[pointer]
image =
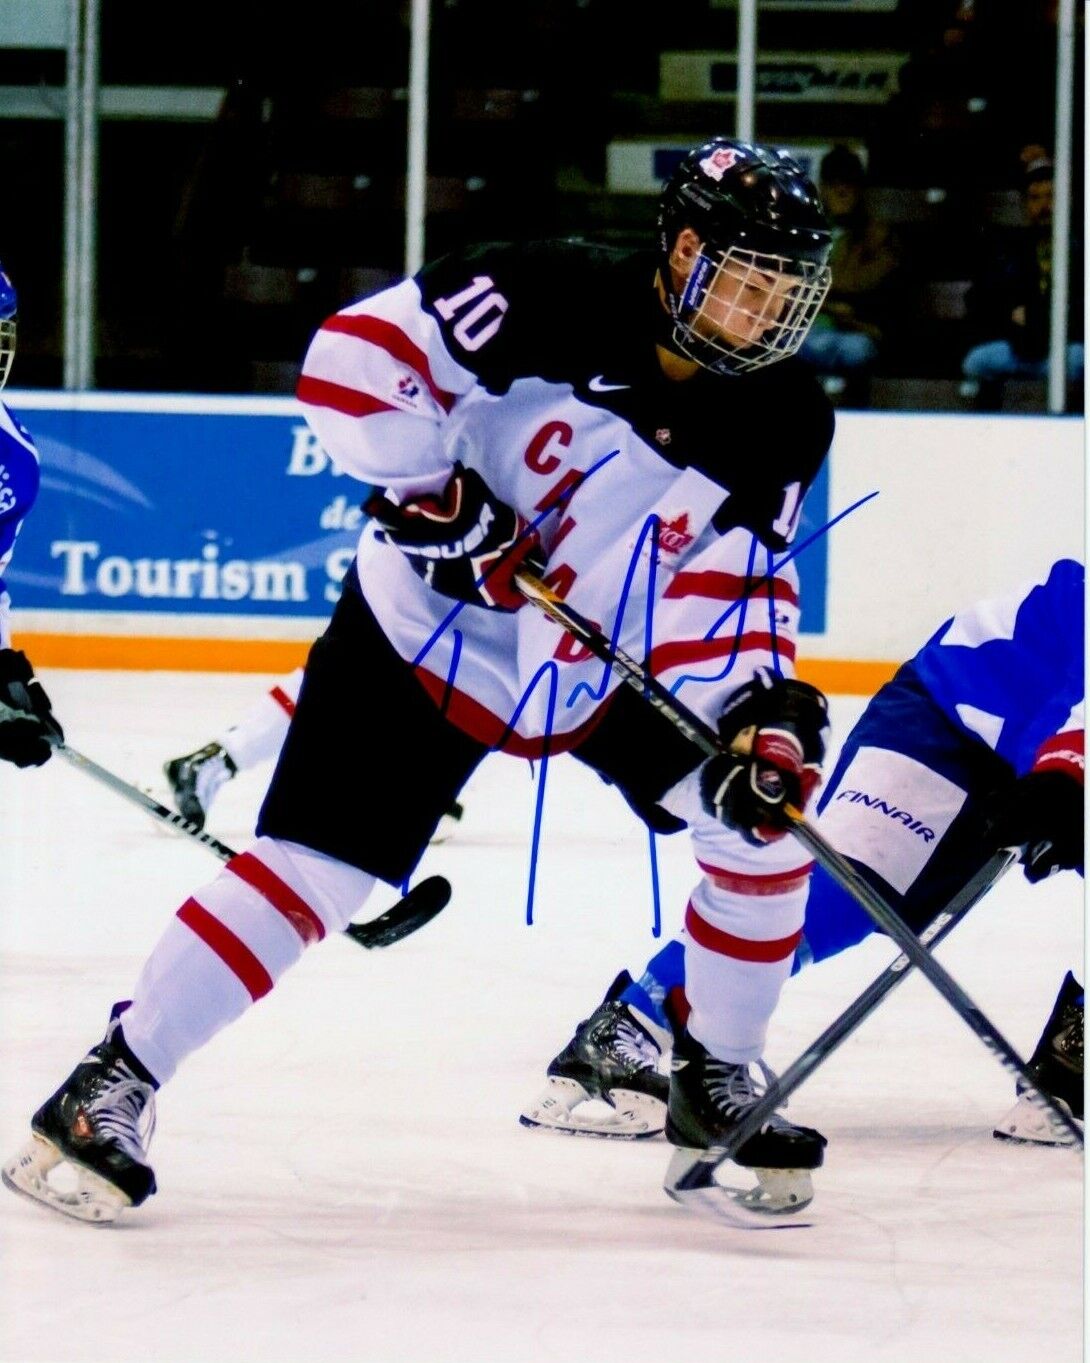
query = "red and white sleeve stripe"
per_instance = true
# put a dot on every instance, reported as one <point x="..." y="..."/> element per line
<point x="377" y="384"/>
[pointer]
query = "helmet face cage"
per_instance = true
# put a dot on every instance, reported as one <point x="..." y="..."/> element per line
<point x="8" y="307"/>
<point x="7" y="348"/>
<point x="741" y="310"/>
<point x="762" y="241"/>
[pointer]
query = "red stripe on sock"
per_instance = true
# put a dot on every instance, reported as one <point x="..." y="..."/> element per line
<point x="279" y="895"/>
<point x="739" y="948"/>
<point x="283" y="700"/>
<point x="741" y="882"/>
<point x="235" y="955"/>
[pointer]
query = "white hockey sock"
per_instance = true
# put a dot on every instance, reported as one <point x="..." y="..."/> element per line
<point x="231" y="941"/>
<point x="740" y="942"/>
<point x="260" y="734"/>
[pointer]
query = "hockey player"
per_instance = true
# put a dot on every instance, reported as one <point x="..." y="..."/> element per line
<point x="197" y="777"/>
<point x="976" y="744"/>
<point x="27" y="726"/>
<point x="602" y="417"/>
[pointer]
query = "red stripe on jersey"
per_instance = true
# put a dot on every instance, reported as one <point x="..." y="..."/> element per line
<point x="743" y="882"/>
<point x="279" y="895"/>
<point x="729" y="587"/>
<point x="396" y="344"/>
<point x="350" y="401"/>
<point x="283" y="700"/>
<point x="235" y="955"/>
<point x="738" y="948"/>
<point x="480" y="723"/>
<point x="1063" y="752"/>
<point x="681" y="651"/>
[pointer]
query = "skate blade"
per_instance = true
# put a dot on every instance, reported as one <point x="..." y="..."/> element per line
<point x="79" y="1193"/>
<point x="635" y="1116"/>
<point x="1026" y="1124"/>
<point x="772" y="1204"/>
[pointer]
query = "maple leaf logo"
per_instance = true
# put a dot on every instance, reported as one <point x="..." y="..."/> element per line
<point x="674" y="535"/>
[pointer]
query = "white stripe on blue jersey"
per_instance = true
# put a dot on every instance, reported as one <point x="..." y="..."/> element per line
<point x="1010" y="670"/>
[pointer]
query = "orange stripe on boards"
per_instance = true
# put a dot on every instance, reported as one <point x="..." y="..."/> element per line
<point x="157" y="654"/>
<point x="845" y="677"/>
<point x="836" y="676"/>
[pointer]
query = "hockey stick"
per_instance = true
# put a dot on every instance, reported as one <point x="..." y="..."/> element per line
<point x="824" y="854"/>
<point x="861" y="1008"/>
<point x="894" y="926"/>
<point x="419" y="906"/>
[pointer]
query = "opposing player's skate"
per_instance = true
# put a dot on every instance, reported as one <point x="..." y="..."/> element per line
<point x="708" y="1100"/>
<point x="1057" y="1066"/>
<point x="196" y="778"/>
<point x="87" y="1156"/>
<point x="613" y="1057"/>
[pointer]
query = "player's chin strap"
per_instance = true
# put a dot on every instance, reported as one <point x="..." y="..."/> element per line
<point x="822" y="851"/>
<point x="417" y="907"/>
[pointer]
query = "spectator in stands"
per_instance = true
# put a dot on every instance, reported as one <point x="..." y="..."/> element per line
<point x="845" y="340"/>
<point x="1010" y="301"/>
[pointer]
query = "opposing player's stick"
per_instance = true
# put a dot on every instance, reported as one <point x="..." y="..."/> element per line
<point x="418" y="907"/>
<point x="824" y="854"/>
<point x="861" y="1008"/>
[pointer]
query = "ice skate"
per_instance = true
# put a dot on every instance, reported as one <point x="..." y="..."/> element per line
<point x="196" y="778"/>
<point x="708" y="1099"/>
<point x="613" y="1057"/>
<point x="1057" y="1066"/>
<point x="87" y="1156"/>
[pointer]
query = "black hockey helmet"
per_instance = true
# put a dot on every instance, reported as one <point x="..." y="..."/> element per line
<point x="764" y="237"/>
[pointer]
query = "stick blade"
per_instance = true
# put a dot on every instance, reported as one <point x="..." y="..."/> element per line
<point x="418" y="907"/>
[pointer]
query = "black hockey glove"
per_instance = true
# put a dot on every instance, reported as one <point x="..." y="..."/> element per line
<point x="464" y="542"/>
<point x="775" y="732"/>
<point x="1041" y="812"/>
<point x="27" y="727"/>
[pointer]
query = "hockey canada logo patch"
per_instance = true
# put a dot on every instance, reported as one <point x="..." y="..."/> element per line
<point x="407" y="387"/>
<point x="663" y="435"/>
<point x="674" y="535"/>
<point x="719" y="162"/>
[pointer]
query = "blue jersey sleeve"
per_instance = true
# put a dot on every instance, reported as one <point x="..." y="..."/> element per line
<point x="19" y="480"/>
<point x="1010" y="670"/>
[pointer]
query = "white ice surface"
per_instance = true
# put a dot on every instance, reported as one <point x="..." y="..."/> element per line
<point x="342" y="1174"/>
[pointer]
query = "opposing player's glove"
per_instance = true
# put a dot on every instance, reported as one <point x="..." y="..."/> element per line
<point x="27" y="727"/>
<point x="1041" y="812"/>
<point x="774" y="730"/>
<point x="464" y="542"/>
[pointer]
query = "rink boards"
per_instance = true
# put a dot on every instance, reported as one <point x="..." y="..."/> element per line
<point x="197" y="533"/>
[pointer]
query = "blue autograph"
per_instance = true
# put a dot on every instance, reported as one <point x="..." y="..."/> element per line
<point x="549" y="673"/>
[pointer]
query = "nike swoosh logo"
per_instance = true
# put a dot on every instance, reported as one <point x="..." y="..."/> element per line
<point x="598" y="385"/>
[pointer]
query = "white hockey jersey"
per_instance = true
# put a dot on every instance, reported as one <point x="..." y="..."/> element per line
<point x="661" y="504"/>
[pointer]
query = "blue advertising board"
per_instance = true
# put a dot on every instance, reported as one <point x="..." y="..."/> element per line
<point x="211" y="507"/>
<point x="185" y="510"/>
